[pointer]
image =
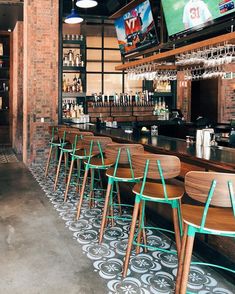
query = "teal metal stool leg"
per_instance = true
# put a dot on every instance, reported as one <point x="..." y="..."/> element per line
<point x="105" y="209"/>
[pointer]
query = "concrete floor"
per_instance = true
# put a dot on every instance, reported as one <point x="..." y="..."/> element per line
<point x="37" y="252"/>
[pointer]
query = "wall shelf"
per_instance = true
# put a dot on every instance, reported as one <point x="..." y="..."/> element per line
<point x="73" y="94"/>
<point x="73" y="42"/>
<point x="74" y="69"/>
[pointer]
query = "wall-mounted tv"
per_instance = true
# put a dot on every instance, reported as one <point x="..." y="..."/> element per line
<point x="184" y="16"/>
<point x="136" y="29"/>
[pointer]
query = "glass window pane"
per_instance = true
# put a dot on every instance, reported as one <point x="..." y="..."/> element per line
<point x="94" y="41"/>
<point x="134" y="86"/>
<point x="110" y="66"/>
<point x="112" y="83"/>
<point x="93" y="83"/>
<point x="94" y="66"/>
<point x="110" y="42"/>
<point x="112" y="55"/>
<point x="94" y="54"/>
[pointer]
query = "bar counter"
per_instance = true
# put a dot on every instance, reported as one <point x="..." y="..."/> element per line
<point x="220" y="159"/>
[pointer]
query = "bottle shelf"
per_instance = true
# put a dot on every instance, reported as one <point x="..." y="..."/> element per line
<point x="166" y="94"/>
<point x="74" y="42"/>
<point x="74" y="69"/>
<point x="73" y="94"/>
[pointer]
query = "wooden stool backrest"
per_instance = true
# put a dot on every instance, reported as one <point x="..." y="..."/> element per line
<point x="103" y="141"/>
<point x="198" y="185"/>
<point x="112" y="150"/>
<point x="70" y="136"/>
<point x="81" y="137"/>
<point x="170" y="165"/>
<point x="50" y="128"/>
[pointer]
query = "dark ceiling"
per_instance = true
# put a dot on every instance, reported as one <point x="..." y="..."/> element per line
<point x="104" y="7"/>
<point x="10" y="13"/>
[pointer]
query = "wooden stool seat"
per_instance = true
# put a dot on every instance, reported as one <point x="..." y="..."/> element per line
<point x="98" y="163"/>
<point x="93" y="146"/>
<point x="124" y="174"/>
<point x="215" y="217"/>
<point x="84" y="154"/>
<point x="155" y="190"/>
<point x="67" y="148"/>
<point x="156" y="186"/>
<point x="55" y="142"/>
<point x="218" y="219"/>
<point x="121" y="172"/>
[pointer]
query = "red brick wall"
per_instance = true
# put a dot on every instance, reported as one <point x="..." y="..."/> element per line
<point x="41" y="45"/>
<point x="184" y="96"/>
<point x="17" y="103"/>
<point x="227" y="97"/>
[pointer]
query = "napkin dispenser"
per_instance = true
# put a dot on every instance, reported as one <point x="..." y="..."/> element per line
<point x="203" y="137"/>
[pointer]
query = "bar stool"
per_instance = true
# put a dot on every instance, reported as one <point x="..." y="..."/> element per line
<point x="56" y="141"/>
<point x="75" y="155"/>
<point x="93" y="156"/>
<point x="209" y="188"/>
<point x="65" y="149"/>
<point x="121" y="172"/>
<point x="158" y="168"/>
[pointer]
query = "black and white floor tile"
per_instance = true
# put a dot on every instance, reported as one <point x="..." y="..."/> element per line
<point x="7" y="155"/>
<point x="152" y="272"/>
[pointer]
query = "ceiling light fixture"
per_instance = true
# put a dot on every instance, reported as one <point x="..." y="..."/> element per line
<point x="86" y="3"/>
<point x="73" y="17"/>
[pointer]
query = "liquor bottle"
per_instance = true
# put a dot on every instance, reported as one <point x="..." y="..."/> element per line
<point x="64" y="84"/>
<point x="77" y="60"/>
<point x="75" y="80"/>
<point x="71" y="57"/>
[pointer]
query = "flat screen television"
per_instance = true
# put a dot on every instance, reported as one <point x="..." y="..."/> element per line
<point x="136" y="29"/>
<point x="184" y="16"/>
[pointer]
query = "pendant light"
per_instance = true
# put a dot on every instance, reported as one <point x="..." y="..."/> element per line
<point x="86" y="3"/>
<point x="73" y="17"/>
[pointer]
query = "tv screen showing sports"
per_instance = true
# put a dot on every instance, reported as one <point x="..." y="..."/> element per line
<point x="186" y="15"/>
<point x="136" y="29"/>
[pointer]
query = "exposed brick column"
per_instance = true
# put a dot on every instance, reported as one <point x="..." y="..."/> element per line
<point x="17" y="113"/>
<point x="41" y="47"/>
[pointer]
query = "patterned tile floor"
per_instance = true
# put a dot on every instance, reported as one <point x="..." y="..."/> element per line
<point x="154" y="272"/>
<point x="7" y="155"/>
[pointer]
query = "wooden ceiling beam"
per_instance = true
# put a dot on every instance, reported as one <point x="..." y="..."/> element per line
<point x="230" y="37"/>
